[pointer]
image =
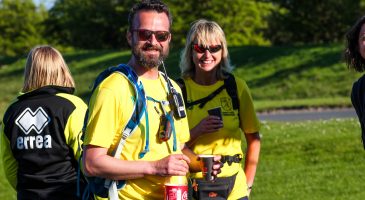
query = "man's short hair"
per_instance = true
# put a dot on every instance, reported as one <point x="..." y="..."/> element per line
<point x="149" y="5"/>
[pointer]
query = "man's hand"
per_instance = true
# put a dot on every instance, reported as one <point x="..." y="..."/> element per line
<point x="172" y="165"/>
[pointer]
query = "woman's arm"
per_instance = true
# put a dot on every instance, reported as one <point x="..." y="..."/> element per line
<point x="9" y="163"/>
<point x="252" y="157"/>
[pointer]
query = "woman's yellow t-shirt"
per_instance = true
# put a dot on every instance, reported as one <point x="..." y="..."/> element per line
<point x="229" y="140"/>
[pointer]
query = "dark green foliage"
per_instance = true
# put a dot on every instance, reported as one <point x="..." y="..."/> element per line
<point x="97" y="24"/>
<point x="89" y="24"/>
<point x="242" y="21"/>
<point x="20" y="26"/>
<point x="311" y="21"/>
<point x="94" y="24"/>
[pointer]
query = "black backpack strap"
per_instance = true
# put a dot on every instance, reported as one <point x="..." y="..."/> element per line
<point x="204" y="100"/>
<point x="231" y="87"/>
<point x="229" y="84"/>
<point x="181" y="83"/>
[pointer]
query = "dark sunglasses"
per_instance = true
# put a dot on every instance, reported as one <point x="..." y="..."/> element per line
<point x="143" y="34"/>
<point x="211" y="48"/>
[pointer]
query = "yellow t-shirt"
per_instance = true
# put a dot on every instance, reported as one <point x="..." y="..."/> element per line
<point x="110" y="108"/>
<point x="229" y="140"/>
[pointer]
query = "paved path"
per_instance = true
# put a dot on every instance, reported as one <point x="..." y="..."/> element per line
<point x="300" y="115"/>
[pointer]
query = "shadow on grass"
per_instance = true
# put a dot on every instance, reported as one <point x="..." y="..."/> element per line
<point x="257" y="56"/>
<point x="7" y="60"/>
<point x="324" y="60"/>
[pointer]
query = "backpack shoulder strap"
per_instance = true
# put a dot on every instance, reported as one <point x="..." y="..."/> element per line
<point x="100" y="186"/>
<point x="139" y="107"/>
<point x="181" y="83"/>
<point x="229" y="84"/>
<point x="204" y="100"/>
<point x="231" y="87"/>
<point x="140" y="103"/>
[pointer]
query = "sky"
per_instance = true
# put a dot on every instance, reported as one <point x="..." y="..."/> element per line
<point x="47" y="3"/>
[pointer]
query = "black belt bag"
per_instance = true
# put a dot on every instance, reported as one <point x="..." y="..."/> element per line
<point x="231" y="159"/>
<point x="218" y="189"/>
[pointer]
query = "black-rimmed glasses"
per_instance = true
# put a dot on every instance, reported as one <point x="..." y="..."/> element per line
<point x="144" y="34"/>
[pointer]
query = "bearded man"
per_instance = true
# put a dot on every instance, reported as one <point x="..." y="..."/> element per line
<point x="145" y="160"/>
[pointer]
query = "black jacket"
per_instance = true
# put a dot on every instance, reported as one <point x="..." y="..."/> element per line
<point x="358" y="101"/>
<point x="42" y="137"/>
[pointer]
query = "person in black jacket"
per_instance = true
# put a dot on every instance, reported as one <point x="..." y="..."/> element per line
<point x="355" y="59"/>
<point x="41" y="129"/>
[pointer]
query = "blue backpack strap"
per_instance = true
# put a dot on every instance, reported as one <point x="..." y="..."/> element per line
<point x="138" y="111"/>
<point x="100" y="186"/>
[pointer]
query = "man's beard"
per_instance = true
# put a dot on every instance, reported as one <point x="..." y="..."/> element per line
<point x="146" y="61"/>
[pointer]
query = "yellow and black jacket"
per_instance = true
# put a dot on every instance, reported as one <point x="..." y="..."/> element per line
<point x="40" y="136"/>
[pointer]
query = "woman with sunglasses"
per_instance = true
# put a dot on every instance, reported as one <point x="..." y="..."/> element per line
<point x="205" y="66"/>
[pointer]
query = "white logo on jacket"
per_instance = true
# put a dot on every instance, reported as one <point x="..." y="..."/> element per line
<point x="37" y="121"/>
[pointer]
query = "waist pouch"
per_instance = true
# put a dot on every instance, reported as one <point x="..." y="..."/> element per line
<point x="218" y="189"/>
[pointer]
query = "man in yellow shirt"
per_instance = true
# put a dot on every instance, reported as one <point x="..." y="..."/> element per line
<point x="145" y="160"/>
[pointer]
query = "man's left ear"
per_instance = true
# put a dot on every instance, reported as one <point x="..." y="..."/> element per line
<point x="129" y="38"/>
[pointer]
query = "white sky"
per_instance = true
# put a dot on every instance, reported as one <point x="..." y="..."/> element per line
<point x="47" y="3"/>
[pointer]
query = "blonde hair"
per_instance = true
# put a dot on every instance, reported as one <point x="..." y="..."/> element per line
<point x="203" y="32"/>
<point x="46" y="66"/>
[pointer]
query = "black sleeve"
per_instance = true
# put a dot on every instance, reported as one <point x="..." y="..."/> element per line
<point x="357" y="99"/>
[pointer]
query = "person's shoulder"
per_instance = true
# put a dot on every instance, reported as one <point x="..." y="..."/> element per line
<point x="114" y="80"/>
<point x="361" y="80"/>
<point x="358" y="85"/>
<point x="239" y="79"/>
<point x="176" y="84"/>
<point x="240" y="82"/>
<point x="10" y="109"/>
<point x="180" y="81"/>
<point x="75" y="100"/>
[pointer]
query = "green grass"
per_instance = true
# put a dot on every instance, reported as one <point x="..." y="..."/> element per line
<point x="306" y="72"/>
<point x="279" y="77"/>
<point x="318" y="160"/>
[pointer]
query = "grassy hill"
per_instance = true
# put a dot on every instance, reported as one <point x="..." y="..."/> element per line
<point x="279" y="77"/>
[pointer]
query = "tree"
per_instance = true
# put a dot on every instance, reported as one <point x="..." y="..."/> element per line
<point x="242" y="21"/>
<point x="103" y="23"/>
<point x="311" y="21"/>
<point x="20" y="26"/>
<point x="89" y="24"/>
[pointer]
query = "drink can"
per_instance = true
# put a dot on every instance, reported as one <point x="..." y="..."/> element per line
<point x="176" y="188"/>
<point x="176" y="192"/>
